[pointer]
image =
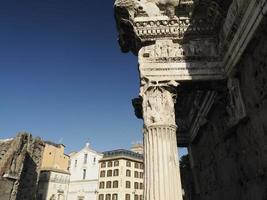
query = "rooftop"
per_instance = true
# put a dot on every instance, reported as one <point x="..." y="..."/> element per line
<point x="122" y="153"/>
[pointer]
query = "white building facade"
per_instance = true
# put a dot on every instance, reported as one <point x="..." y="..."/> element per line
<point x="84" y="170"/>
<point x="53" y="185"/>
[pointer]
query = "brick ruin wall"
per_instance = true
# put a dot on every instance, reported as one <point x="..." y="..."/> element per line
<point x="20" y="161"/>
<point x="231" y="163"/>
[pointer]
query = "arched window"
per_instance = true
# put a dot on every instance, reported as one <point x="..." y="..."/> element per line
<point x="128" y="173"/>
<point x="115" y="197"/>
<point x="100" y="197"/>
<point x="108" y="184"/>
<point x="116" y="163"/>
<point x="141" y="186"/>
<point x="102" y="185"/>
<point x="103" y="164"/>
<point x="85" y="158"/>
<point x="141" y="175"/>
<point x="116" y="172"/>
<point x="136" y="165"/>
<point x="115" y="184"/>
<point x="127" y="196"/>
<point x="84" y="174"/>
<point x="135" y="197"/>
<point x="141" y="197"/>
<point x="128" y="163"/>
<point x="110" y="164"/>
<point x="136" y="185"/>
<point x="136" y="174"/>
<point x="108" y="197"/>
<point x="102" y="174"/>
<point x="109" y="173"/>
<point x="128" y="184"/>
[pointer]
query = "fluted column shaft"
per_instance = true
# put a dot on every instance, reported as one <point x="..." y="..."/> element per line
<point x="162" y="174"/>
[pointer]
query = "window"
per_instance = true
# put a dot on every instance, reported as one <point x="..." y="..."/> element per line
<point x="128" y="173"/>
<point x="141" y="186"/>
<point x="141" y="197"/>
<point x="128" y="184"/>
<point x="108" y="184"/>
<point x="141" y="175"/>
<point x="102" y="185"/>
<point x="115" y="197"/>
<point x="116" y="172"/>
<point x="103" y="165"/>
<point x="128" y="163"/>
<point x="85" y="158"/>
<point x="136" y="165"/>
<point x="109" y="173"/>
<point x="84" y="174"/>
<point x="102" y="173"/>
<point x="136" y="197"/>
<point x="76" y="161"/>
<point x="101" y="197"/>
<point x="141" y="166"/>
<point x="110" y="164"/>
<point x="108" y="197"/>
<point x="115" y="184"/>
<point x="136" y="185"/>
<point x="116" y="163"/>
<point x="94" y="160"/>
<point x="136" y="174"/>
<point x="127" y="197"/>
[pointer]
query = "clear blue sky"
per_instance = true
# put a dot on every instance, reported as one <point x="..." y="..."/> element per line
<point x="62" y="75"/>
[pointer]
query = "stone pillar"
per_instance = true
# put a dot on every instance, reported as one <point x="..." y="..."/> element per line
<point x="162" y="173"/>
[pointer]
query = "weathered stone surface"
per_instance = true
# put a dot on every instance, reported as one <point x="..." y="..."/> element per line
<point x="221" y="101"/>
<point x="231" y="162"/>
<point x="19" y="167"/>
<point x="6" y="187"/>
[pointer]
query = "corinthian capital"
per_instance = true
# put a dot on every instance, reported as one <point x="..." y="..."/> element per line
<point x="158" y="103"/>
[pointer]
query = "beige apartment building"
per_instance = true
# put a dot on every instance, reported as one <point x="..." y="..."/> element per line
<point x="121" y="176"/>
<point x="54" y="177"/>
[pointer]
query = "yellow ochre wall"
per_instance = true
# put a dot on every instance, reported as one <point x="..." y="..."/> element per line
<point x="54" y="157"/>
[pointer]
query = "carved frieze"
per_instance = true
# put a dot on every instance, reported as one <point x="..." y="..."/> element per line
<point x="166" y="60"/>
<point x="205" y="49"/>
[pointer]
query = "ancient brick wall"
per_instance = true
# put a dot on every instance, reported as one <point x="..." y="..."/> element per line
<point x="230" y="162"/>
<point x="19" y="167"/>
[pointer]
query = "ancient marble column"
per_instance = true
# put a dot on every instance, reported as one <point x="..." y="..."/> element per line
<point x="162" y="174"/>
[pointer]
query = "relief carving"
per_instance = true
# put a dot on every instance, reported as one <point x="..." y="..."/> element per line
<point x="165" y="49"/>
<point x="158" y="103"/>
<point x="236" y="108"/>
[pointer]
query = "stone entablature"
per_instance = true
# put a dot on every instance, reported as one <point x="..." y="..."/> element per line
<point x="169" y="61"/>
<point x="187" y="51"/>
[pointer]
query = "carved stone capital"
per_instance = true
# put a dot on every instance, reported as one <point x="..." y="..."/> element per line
<point x="158" y="104"/>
